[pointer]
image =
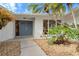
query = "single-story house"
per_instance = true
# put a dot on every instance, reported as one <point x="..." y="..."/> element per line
<point x="34" y="25"/>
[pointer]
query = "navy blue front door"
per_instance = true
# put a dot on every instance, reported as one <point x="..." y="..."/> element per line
<point x="25" y="28"/>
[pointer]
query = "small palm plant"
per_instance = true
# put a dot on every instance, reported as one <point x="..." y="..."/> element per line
<point x="69" y="34"/>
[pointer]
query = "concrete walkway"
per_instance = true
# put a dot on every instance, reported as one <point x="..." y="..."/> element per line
<point x="30" y="48"/>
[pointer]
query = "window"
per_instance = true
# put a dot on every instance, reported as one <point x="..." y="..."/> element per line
<point x="51" y="24"/>
<point x="45" y="26"/>
<point x="58" y="22"/>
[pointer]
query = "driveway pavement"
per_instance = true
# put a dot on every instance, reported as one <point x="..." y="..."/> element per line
<point x="30" y="48"/>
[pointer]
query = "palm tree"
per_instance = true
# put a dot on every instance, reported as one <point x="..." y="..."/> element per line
<point x="62" y="10"/>
<point x="55" y="11"/>
<point x="47" y="7"/>
<point x="5" y="17"/>
<point x="36" y="8"/>
<point x="70" y="8"/>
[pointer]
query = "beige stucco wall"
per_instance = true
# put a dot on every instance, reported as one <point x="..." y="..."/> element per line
<point x="38" y="26"/>
<point x="77" y="20"/>
<point x="8" y="32"/>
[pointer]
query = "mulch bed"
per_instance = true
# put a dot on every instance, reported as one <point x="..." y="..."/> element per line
<point x="10" y="48"/>
<point x="58" y="50"/>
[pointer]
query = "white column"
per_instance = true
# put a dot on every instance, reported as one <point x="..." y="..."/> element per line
<point x="48" y="24"/>
<point x="38" y="27"/>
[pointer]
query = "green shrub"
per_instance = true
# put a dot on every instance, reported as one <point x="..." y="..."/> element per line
<point x="73" y="34"/>
<point x="67" y="32"/>
<point x="55" y="30"/>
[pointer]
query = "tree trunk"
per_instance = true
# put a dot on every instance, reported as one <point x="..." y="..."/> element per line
<point x="74" y="19"/>
<point x="61" y="16"/>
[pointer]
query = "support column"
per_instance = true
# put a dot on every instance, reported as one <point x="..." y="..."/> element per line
<point x="48" y="24"/>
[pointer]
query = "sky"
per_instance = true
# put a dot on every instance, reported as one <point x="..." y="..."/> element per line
<point x="16" y="7"/>
<point x="23" y="7"/>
